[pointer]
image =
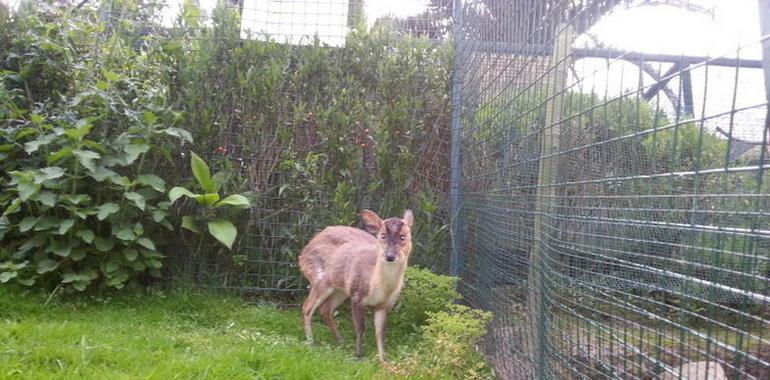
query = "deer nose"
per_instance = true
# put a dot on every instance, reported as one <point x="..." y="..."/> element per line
<point x="390" y="258"/>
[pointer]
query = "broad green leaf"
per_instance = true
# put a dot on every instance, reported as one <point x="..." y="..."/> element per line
<point x="65" y="226"/>
<point x="36" y="118"/>
<point x="124" y="233"/>
<point x="81" y="285"/>
<point x="88" y="274"/>
<point x="111" y="76"/>
<point x="106" y="210"/>
<point x="28" y="223"/>
<point x="47" y="198"/>
<point x="76" y="199"/>
<point x="13" y="208"/>
<point x="101" y="173"/>
<point x="46" y="223"/>
<point x="189" y="223"/>
<point x="46" y="265"/>
<point x="137" y="198"/>
<point x="94" y="145"/>
<point x="27" y="189"/>
<point x="81" y="129"/>
<point x="87" y="158"/>
<point x="32" y="146"/>
<point x="58" y="155"/>
<point x="130" y="254"/>
<point x="202" y="173"/>
<point x="179" y="132"/>
<point x="111" y="266"/>
<point x="154" y="263"/>
<point x="38" y="240"/>
<point x="153" y="181"/>
<point x="26" y="281"/>
<point x="86" y="235"/>
<point x="134" y="150"/>
<point x="158" y="215"/>
<point x="103" y="244"/>
<point x="235" y="200"/>
<point x="138" y="229"/>
<point x="49" y="173"/>
<point x="102" y="85"/>
<point x="177" y="192"/>
<point x="78" y="254"/>
<point x="67" y="278"/>
<point x="146" y="243"/>
<point x="118" y="281"/>
<point x="149" y="118"/>
<point x="206" y="199"/>
<point x="7" y="276"/>
<point x="60" y="248"/>
<point x="224" y="231"/>
<point x="122" y="181"/>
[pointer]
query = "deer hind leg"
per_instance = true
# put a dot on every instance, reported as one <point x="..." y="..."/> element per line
<point x="327" y="312"/>
<point x="318" y="294"/>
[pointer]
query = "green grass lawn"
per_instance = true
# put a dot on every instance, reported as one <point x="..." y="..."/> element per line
<point x="177" y="335"/>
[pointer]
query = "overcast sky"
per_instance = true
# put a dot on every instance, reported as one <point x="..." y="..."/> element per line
<point x="729" y="27"/>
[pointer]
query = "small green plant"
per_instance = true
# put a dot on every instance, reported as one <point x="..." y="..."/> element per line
<point x="221" y="229"/>
<point x="449" y="346"/>
<point x="425" y="292"/>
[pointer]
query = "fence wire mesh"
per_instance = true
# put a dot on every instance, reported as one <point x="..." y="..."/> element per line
<point x="608" y="203"/>
<point x="318" y="108"/>
<point x="611" y="206"/>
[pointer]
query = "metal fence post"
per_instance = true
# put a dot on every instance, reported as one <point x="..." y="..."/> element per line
<point x="456" y="141"/>
<point x="764" y="26"/>
<point x="550" y="144"/>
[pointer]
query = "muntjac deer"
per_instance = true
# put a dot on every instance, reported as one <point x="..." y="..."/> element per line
<point x="367" y="267"/>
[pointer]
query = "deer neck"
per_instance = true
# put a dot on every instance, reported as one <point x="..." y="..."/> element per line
<point x="388" y="277"/>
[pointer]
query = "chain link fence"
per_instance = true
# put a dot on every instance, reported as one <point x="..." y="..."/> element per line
<point x="316" y="108"/>
<point x="607" y="195"/>
<point x="611" y="207"/>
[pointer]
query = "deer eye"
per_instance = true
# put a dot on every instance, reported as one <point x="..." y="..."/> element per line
<point x="383" y="237"/>
<point x="403" y="238"/>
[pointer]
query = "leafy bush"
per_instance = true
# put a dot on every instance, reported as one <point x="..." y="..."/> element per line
<point x="317" y="132"/>
<point x="80" y="141"/>
<point x="314" y="132"/>
<point x="449" y="333"/>
<point x="424" y="292"/>
<point x="221" y="229"/>
<point x="449" y="346"/>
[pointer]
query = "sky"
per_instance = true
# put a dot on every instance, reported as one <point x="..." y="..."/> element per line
<point x="731" y="28"/>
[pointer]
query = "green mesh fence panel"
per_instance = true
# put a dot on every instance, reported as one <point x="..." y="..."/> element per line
<point x="610" y="206"/>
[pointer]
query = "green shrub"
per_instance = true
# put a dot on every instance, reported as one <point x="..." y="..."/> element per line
<point x="315" y="132"/>
<point x="81" y="140"/>
<point x="424" y="292"/>
<point x="449" y="346"/>
<point x="210" y="201"/>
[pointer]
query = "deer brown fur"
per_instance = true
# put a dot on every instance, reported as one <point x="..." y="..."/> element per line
<point x="366" y="266"/>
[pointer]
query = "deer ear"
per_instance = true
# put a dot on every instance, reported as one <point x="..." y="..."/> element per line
<point x="372" y="222"/>
<point x="408" y="217"/>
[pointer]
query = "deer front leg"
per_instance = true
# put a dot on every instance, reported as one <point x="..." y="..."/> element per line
<point x="359" y="317"/>
<point x="380" y="316"/>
